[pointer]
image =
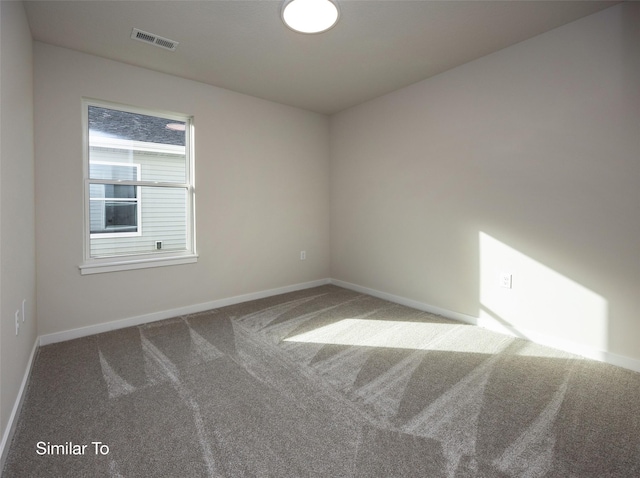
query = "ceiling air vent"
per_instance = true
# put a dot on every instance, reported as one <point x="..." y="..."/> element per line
<point x="152" y="39"/>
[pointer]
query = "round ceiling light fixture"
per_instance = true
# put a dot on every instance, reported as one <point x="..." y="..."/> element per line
<point x="310" y="16"/>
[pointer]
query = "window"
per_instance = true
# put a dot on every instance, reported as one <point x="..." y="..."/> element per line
<point x="139" y="195"/>
<point x="114" y="209"/>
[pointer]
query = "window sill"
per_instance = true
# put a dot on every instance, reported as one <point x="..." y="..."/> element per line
<point x="101" y="266"/>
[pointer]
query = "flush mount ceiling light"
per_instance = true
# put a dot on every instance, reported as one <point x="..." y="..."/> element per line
<point x="310" y="16"/>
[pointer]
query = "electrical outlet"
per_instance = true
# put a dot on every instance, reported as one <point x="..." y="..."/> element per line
<point x="506" y="280"/>
<point x="17" y="321"/>
<point x="303" y="255"/>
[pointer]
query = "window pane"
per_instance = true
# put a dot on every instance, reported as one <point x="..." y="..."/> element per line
<point x="163" y="218"/>
<point x="113" y="171"/>
<point x="156" y="144"/>
<point x="113" y="216"/>
<point x="136" y="127"/>
<point x="119" y="191"/>
<point x="121" y="216"/>
<point x="96" y="191"/>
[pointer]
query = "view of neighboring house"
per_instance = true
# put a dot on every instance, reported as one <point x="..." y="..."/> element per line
<point x="127" y="148"/>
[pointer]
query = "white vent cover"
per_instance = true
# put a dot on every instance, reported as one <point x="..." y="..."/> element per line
<point x="152" y="39"/>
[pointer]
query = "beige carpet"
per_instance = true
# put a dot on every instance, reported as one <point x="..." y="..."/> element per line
<point x="323" y="382"/>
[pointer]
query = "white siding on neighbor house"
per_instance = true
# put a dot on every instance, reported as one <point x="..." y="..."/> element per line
<point x="164" y="209"/>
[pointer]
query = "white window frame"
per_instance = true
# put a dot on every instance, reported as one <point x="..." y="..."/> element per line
<point x="106" y="235"/>
<point x="94" y="265"/>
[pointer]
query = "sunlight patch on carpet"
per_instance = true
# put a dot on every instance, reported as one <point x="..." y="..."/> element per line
<point x="413" y="336"/>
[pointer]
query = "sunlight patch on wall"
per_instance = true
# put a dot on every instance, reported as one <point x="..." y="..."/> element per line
<point x="539" y="301"/>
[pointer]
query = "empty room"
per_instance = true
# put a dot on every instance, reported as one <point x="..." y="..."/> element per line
<point x="291" y="238"/>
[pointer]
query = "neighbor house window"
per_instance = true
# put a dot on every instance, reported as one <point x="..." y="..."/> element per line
<point x="114" y="209"/>
<point x="139" y="195"/>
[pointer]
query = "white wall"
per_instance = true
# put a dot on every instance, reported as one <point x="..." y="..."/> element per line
<point x="17" y="230"/>
<point x="261" y="181"/>
<point x="526" y="161"/>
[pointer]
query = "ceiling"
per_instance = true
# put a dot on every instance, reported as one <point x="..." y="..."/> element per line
<point x="376" y="47"/>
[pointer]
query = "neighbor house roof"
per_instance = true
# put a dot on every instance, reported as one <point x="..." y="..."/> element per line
<point x="136" y="127"/>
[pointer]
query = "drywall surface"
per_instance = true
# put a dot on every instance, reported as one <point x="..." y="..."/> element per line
<point x="520" y="169"/>
<point x="261" y="193"/>
<point x="17" y="229"/>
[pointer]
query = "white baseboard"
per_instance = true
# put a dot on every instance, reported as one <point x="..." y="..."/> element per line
<point x="496" y="326"/>
<point x="17" y="406"/>
<point x="414" y="304"/>
<point x="168" y="314"/>
<point x="561" y="344"/>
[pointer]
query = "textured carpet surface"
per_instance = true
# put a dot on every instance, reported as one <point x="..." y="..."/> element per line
<point x="323" y="382"/>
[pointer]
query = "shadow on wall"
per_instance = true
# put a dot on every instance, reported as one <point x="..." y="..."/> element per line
<point x="523" y="297"/>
